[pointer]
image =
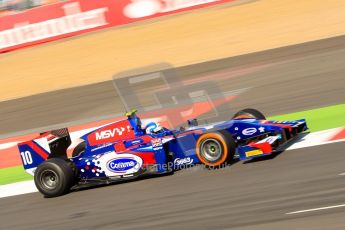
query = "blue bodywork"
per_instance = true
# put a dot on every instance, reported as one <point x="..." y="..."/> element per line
<point x="124" y="149"/>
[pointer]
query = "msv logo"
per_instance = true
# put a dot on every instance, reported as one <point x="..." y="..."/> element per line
<point x="105" y="134"/>
<point x="109" y="133"/>
<point x="121" y="164"/>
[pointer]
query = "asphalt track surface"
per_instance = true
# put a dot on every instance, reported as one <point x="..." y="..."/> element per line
<point x="254" y="195"/>
<point x="277" y="81"/>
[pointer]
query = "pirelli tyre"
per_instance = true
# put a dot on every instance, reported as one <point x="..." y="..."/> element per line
<point x="249" y="113"/>
<point x="54" y="177"/>
<point x="215" y="149"/>
<point x="79" y="149"/>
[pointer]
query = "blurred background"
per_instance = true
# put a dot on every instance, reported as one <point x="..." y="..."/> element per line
<point x="8" y="7"/>
<point x="83" y="63"/>
<point x="61" y="63"/>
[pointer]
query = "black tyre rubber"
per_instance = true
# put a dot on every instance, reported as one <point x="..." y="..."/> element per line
<point x="226" y="148"/>
<point x="250" y="113"/>
<point x="79" y="149"/>
<point x="54" y="177"/>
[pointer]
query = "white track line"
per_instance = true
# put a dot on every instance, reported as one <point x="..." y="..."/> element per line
<point x="316" y="209"/>
<point x="17" y="188"/>
<point x="8" y="145"/>
<point x="342" y="174"/>
<point x="316" y="138"/>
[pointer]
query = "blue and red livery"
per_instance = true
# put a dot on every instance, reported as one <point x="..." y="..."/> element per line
<point x="126" y="150"/>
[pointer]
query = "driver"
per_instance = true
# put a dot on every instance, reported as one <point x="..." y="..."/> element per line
<point x="154" y="129"/>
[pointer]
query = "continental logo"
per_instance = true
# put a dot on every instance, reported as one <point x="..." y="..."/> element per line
<point x="145" y="8"/>
<point x="73" y="21"/>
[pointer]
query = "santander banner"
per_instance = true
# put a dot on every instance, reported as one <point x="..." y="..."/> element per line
<point x="75" y="17"/>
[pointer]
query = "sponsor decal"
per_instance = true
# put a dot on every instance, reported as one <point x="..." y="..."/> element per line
<point x="262" y="129"/>
<point x="73" y="21"/>
<point x="75" y="17"/>
<point x="249" y="131"/>
<point x="117" y="131"/>
<point x="105" y="134"/>
<point x="100" y="147"/>
<point x="183" y="161"/>
<point x="283" y="122"/>
<point x="121" y="164"/>
<point x="272" y="139"/>
<point x="145" y="8"/>
<point x="135" y="142"/>
<point x="156" y="142"/>
<point x="109" y="133"/>
<point x="114" y="164"/>
<point x="128" y="175"/>
<point x="254" y="153"/>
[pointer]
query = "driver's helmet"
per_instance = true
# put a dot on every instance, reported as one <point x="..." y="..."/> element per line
<point x="153" y="128"/>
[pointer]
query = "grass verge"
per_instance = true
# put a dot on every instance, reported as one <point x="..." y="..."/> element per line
<point x="13" y="174"/>
<point x="319" y="119"/>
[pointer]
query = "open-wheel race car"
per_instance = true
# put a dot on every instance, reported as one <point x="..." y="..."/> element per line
<point x="125" y="150"/>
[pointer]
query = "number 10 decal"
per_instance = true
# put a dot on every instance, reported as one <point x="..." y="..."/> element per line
<point x="26" y="157"/>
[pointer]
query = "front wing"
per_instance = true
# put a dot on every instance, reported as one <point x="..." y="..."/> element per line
<point x="273" y="142"/>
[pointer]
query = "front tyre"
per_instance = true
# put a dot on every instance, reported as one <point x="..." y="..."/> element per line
<point x="249" y="113"/>
<point x="54" y="177"/>
<point x="215" y="149"/>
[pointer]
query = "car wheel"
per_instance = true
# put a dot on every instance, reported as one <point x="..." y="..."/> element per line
<point x="54" y="177"/>
<point x="249" y="113"/>
<point x="215" y="149"/>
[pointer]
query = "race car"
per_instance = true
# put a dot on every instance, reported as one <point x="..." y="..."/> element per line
<point x="125" y="149"/>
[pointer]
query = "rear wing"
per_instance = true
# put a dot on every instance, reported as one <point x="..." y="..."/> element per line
<point x="48" y="145"/>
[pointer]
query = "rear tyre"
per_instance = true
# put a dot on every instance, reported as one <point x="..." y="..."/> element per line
<point x="249" y="113"/>
<point x="54" y="177"/>
<point x="215" y="149"/>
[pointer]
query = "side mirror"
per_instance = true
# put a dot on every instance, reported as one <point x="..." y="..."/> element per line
<point x="193" y="122"/>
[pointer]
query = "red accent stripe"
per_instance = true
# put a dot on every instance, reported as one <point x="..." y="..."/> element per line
<point x="38" y="150"/>
<point x="265" y="146"/>
<point x="147" y="157"/>
<point x="339" y="135"/>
